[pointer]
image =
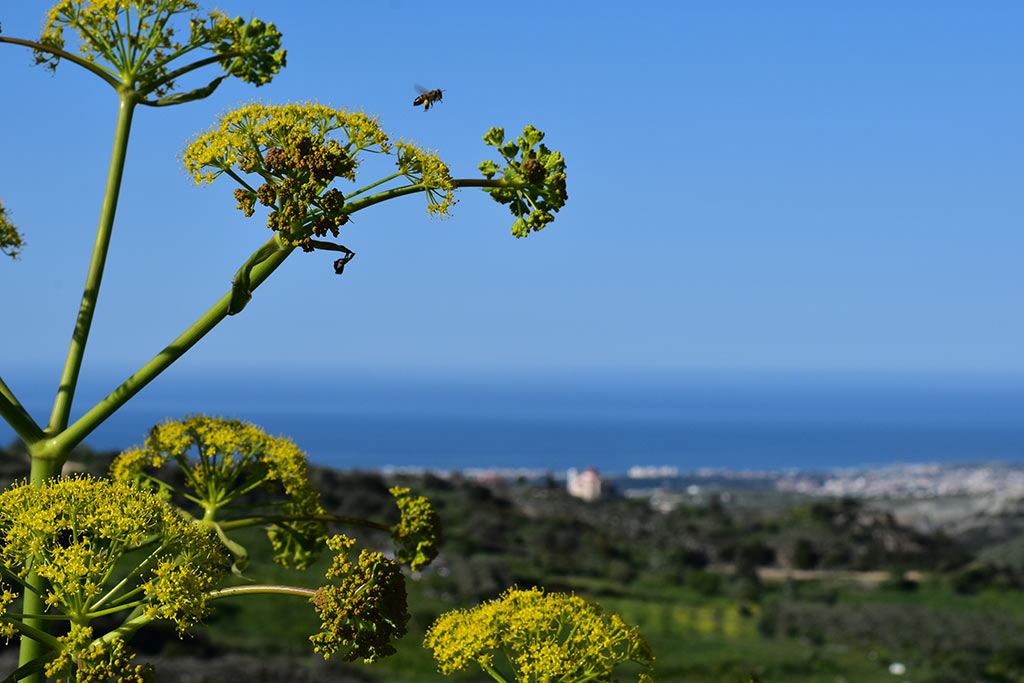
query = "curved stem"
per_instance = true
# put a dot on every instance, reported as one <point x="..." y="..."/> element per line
<point x="80" y="336"/>
<point x="213" y="59"/>
<point x="82" y="427"/>
<point x="260" y="589"/>
<point x="84" y="63"/>
<point x="365" y="202"/>
<point x="373" y="185"/>
<point x="273" y="519"/>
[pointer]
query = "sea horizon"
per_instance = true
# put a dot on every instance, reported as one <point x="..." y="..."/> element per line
<point x="611" y="423"/>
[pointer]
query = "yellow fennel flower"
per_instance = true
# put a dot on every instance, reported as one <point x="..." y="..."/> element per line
<point x="223" y="462"/>
<point x="543" y="636"/>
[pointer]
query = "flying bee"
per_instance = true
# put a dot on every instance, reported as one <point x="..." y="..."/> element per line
<point x="427" y="97"/>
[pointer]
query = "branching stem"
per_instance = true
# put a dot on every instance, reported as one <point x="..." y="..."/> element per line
<point x="82" y="427"/>
<point x="84" y="63"/>
<point x="15" y="414"/>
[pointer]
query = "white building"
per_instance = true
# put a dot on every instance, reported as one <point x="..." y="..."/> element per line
<point x="585" y="484"/>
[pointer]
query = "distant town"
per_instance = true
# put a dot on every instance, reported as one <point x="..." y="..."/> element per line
<point x="894" y="481"/>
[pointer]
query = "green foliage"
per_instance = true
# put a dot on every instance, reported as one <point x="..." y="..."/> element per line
<point x="698" y="636"/>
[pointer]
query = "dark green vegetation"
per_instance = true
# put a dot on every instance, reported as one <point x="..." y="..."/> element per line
<point x="707" y="583"/>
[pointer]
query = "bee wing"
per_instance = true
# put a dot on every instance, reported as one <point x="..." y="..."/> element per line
<point x="421" y="90"/>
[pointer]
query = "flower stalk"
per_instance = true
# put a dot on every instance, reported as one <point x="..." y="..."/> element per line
<point x="83" y="323"/>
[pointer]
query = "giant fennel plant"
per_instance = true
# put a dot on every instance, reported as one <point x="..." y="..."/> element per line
<point x="157" y="539"/>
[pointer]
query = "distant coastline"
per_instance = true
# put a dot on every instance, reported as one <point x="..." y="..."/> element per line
<point x="731" y="424"/>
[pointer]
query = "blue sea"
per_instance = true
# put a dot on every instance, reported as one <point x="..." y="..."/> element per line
<point x="609" y="422"/>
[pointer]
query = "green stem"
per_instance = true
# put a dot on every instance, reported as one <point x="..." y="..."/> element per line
<point x="135" y="570"/>
<point x="85" y="64"/>
<point x="11" y="576"/>
<point x="213" y="59"/>
<point x="42" y="470"/>
<point x="365" y="202"/>
<point x="115" y="609"/>
<point x="134" y="621"/>
<point x="493" y="673"/>
<point x="260" y="589"/>
<point x="15" y="414"/>
<point x="73" y="364"/>
<point x="82" y="427"/>
<point x="239" y="179"/>
<point x="44" y="639"/>
<point x="274" y="519"/>
<point x="373" y="185"/>
<point x="23" y="671"/>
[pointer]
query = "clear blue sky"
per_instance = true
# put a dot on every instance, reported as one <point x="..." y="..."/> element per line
<point x="763" y="187"/>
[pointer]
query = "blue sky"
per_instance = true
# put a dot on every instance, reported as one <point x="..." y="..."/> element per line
<point x="795" y="187"/>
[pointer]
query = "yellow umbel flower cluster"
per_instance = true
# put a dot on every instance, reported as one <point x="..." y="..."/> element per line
<point x="96" y="661"/>
<point x="297" y="150"/>
<point x="222" y="461"/>
<point x="544" y="636"/>
<point x="135" y="41"/>
<point x="417" y="536"/>
<point x="242" y="136"/>
<point x="426" y="168"/>
<point x="74" y="532"/>
<point x="364" y="610"/>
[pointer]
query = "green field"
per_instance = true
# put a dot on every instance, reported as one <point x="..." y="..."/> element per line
<point x="806" y="632"/>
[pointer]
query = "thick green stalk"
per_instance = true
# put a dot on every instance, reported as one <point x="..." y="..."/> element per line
<point x="74" y="434"/>
<point x="32" y="602"/>
<point x="80" y="335"/>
